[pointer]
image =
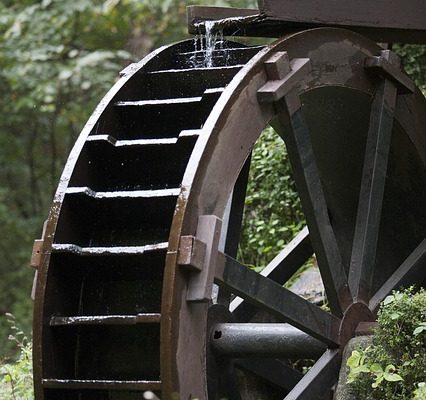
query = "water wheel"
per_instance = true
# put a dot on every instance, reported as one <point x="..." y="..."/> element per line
<point x="142" y="224"/>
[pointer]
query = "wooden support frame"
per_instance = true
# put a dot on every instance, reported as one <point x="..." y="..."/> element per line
<point x="281" y="302"/>
<point x="380" y="20"/>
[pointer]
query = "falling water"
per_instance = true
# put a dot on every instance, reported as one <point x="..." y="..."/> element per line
<point x="206" y="44"/>
<point x="213" y="37"/>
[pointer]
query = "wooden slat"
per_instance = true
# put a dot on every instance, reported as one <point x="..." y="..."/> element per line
<point x="177" y="72"/>
<point x="363" y="257"/>
<point x="161" y="102"/>
<point x="126" y="194"/>
<point x="101" y="251"/>
<point x="411" y="271"/>
<point x="75" y="384"/>
<point x="146" y="318"/>
<point x="317" y="382"/>
<point x="272" y="297"/>
<point x="129" y="143"/>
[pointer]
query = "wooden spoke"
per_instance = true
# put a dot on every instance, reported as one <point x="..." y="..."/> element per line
<point x="308" y="182"/>
<point x="280" y="270"/>
<point x="233" y="228"/>
<point x="372" y="188"/>
<point x="412" y="270"/>
<point x="317" y="383"/>
<point x="277" y="300"/>
<point x="274" y="371"/>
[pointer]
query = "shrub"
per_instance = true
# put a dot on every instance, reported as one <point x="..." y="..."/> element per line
<point x="395" y="365"/>
<point x="16" y="377"/>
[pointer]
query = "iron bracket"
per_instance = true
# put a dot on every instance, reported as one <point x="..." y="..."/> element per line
<point x="199" y="254"/>
<point x="283" y="75"/>
<point x="388" y="66"/>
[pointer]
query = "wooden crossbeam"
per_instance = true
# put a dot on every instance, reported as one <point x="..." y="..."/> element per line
<point x="381" y="20"/>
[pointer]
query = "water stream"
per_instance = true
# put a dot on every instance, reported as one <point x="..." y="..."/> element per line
<point x="205" y="44"/>
<point x="212" y="39"/>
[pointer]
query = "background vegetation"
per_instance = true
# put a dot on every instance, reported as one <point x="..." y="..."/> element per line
<point x="395" y="365"/>
<point x="57" y="59"/>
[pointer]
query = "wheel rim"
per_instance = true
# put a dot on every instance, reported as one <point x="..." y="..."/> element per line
<point x="94" y="241"/>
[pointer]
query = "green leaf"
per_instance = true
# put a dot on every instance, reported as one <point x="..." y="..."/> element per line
<point x="388" y="299"/>
<point x="354" y="359"/>
<point x="376" y="368"/>
<point x="392" y="377"/>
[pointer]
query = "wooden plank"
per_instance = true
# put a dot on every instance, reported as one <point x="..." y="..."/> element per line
<point x="380" y="20"/>
<point x="277" y="300"/>
<point x="387" y="14"/>
<point x="147" y="318"/>
<point x="79" y="384"/>
<point x="196" y="14"/>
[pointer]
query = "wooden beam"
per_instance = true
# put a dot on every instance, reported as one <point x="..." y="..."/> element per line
<point x="197" y="14"/>
<point x="279" y="270"/>
<point x="292" y="125"/>
<point x="381" y="20"/>
<point x="411" y="271"/>
<point x="386" y="14"/>
<point x="318" y="381"/>
<point x="280" y="302"/>
<point x="363" y="258"/>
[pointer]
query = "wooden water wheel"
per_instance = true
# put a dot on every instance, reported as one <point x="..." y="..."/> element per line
<point x="138" y="231"/>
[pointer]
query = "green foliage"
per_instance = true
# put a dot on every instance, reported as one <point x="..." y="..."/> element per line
<point x="56" y="60"/>
<point x="16" y="377"/>
<point x="413" y="58"/>
<point x="420" y="392"/>
<point x="394" y="366"/>
<point x="273" y="213"/>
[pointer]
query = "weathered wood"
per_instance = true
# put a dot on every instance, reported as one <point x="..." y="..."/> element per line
<point x="310" y="188"/>
<point x="386" y="14"/>
<point x="275" y="89"/>
<point x="317" y="382"/>
<point x="363" y="258"/>
<point x="412" y="270"/>
<point x="146" y="318"/>
<point x="277" y="300"/>
<point x="280" y="270"/>
<point x="273" y="371"/>
<point x="101" y="384"/>
<point x="234" y="223"/>
<point x="380" y="20"/>
<point x="200" y="284"/>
